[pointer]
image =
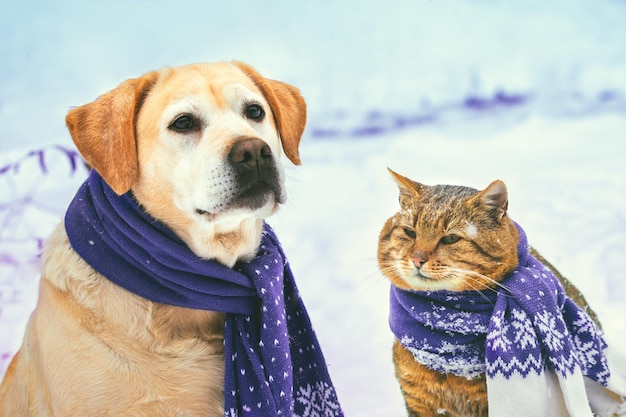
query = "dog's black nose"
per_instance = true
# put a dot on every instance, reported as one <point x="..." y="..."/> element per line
<point x="255" y="173"/>
<point x="250" y="153"/>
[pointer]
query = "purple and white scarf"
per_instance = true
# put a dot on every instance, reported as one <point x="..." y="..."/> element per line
<point x="542" y="354"/>
<point x="273" y="361"/>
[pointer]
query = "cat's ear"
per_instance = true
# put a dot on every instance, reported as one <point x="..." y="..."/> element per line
<point x="409" y="189"/>
<point x="496" y="197"/>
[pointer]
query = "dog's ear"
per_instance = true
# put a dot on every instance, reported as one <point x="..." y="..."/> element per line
<point x="104" y="131"/>
<point x="288" y="107"/>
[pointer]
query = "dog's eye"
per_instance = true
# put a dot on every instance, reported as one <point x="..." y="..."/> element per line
<point x="255" y="112"/>
<point x="184" y="123"/>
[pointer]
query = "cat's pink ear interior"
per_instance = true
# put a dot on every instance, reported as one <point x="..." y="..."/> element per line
<point x="495" y="196"/>
<point x="409" y="189"/>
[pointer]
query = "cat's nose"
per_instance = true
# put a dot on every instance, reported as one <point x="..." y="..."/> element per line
<point x="419" y="258"/>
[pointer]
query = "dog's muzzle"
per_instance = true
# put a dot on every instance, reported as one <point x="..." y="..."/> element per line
<point x="256" y="175"/>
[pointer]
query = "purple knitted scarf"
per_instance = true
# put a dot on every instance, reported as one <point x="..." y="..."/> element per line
<point x="516" y="333"/>
<point x="274" y="364"/>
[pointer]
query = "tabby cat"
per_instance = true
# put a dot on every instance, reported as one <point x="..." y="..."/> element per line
<point x="451" y="238"/>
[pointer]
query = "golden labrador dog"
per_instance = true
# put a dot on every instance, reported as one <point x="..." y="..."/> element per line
<point x="190" y="143"/>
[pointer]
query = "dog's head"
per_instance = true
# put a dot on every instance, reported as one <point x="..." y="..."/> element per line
<point x="199" y="147"/>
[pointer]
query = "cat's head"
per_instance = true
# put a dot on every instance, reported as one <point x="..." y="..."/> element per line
<point x="448" y="237"/>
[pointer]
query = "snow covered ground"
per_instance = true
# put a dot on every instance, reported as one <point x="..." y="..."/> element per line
<point x="459" y="92"/>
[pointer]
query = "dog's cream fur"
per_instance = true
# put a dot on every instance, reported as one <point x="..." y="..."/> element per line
<point x="92" y="348"/>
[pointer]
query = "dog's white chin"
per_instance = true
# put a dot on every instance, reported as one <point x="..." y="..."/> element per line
<point x="231" y="236"/>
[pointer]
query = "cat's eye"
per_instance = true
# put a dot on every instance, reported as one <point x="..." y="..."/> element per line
<point x="410" y="232"/>
<point x="450" y="239"/>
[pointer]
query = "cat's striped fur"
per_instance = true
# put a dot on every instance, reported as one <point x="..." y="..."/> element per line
<point x="451" y="238"/>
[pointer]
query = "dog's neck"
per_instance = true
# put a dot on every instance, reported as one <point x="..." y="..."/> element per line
<point x="227" y="238"/>
<point x="227" y="245"/>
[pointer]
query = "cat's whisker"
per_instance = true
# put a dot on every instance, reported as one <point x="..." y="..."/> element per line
<point x="475" y="277"/>
<point x="470" y="281"/>
<point x="374" y="277"/>
<point x="368" y="265"/>
<point x="391" y="268"/>
<point x="367" y="262"/>
<point x="480" y="291"/>
<point x="391" y="272"/>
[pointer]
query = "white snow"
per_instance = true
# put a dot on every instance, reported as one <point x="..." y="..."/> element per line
<point x="459" y="92"/>
<point x="471" y="230"/>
